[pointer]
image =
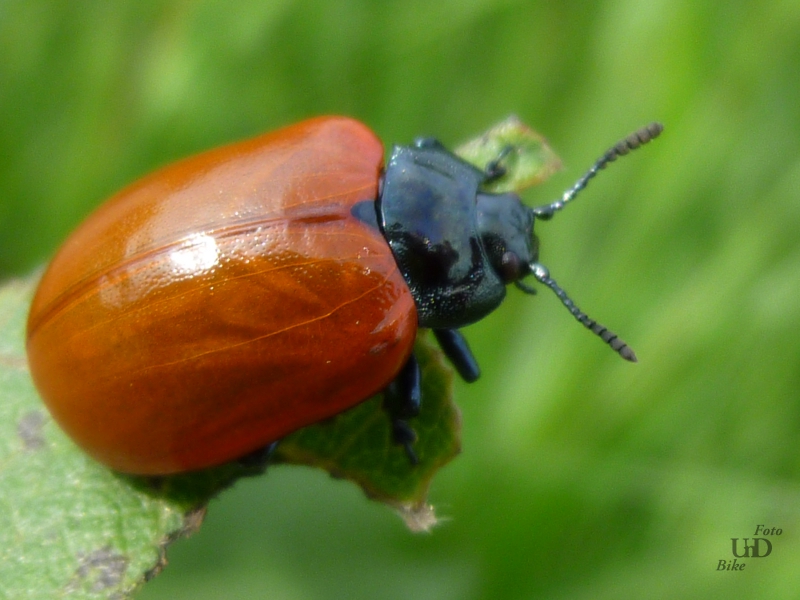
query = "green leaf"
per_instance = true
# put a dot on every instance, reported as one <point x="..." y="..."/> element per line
<point x="70" y="526"/>
<point x="353" y="445"/>
<point x="524" y="154"/>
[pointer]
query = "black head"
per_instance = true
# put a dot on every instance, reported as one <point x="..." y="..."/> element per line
<point x="459" y="247"/>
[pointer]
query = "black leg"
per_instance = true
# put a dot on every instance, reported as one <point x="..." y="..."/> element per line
<point x="456" y="348"/>
<point x="494" y="168"/>
<point x="259" y="459"/>
<point x="402" y="399"/>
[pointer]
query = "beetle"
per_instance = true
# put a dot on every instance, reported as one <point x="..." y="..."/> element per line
<point x="215" y="306"/>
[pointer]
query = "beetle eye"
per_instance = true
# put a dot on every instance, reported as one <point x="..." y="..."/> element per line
<point x="511" y="267"/>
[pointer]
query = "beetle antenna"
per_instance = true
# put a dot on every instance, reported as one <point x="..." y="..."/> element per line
<point x="542" y="275"/>
<point x="632" y="142"/>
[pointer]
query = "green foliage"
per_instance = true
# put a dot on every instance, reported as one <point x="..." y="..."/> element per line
<point x="523" y="154"/>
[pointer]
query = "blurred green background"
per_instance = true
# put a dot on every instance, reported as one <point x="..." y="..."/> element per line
<point x="582" y="476"/>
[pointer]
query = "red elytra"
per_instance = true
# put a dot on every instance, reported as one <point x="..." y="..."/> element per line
<point x="222" y="302"/>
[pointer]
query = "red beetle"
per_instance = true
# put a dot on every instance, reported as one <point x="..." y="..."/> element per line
<point x="229" y="299"/>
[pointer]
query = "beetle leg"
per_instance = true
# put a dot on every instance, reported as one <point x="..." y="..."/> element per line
<point x="455" y="347"/>
<point x="259" y="459"/>
<point x="402" y="399"/>
<point x="494" y="168"/>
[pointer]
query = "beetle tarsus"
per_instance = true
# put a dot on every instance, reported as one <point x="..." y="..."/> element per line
<point x="494" y="168"/>
<point x="259" y="460"/>
<point x="404" y="435"/>
<point x="412" y="456"/>
<point x="402" y="399"/>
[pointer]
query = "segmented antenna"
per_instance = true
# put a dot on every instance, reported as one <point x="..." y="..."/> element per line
<point x="632" y="142"/>
<point x="542" y="275"/>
